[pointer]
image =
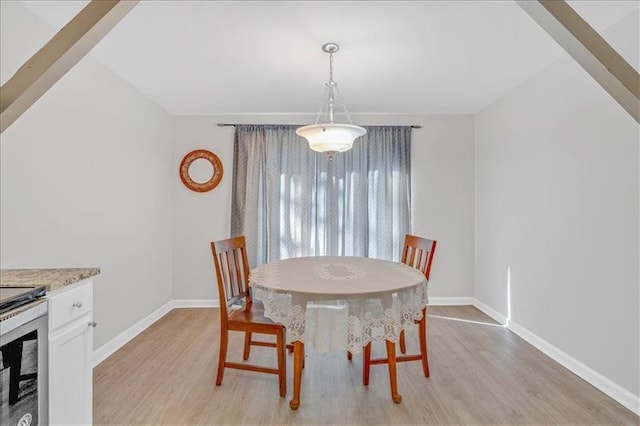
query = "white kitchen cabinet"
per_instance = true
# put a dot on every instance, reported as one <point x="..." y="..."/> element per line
<point x="70" y="354"/>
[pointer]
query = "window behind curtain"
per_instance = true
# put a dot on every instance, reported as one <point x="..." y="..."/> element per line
<point x="289" y="201"/>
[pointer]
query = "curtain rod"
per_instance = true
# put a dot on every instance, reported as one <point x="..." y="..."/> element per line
<point x="413" y="126"/>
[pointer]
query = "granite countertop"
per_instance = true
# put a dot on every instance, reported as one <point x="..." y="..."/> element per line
<point x="52" y="279"/>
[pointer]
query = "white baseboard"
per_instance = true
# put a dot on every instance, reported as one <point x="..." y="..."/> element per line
<point x="196" y="303"/>
<point x="104" y="351"/>
<point x="615" y="391"/>
<point x="450" y="301"/>
<point x="608" y="387"/>
<point x="491" y="312"/>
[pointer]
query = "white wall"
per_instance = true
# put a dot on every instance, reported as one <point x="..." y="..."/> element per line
<point x="199" y="218"/>
<point x="443" y="191"/>
<point x="557" y="197"/>
<point x="86" y="182"/>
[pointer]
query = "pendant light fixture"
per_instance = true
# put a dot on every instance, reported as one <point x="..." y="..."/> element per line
<point x="331" y="137"/>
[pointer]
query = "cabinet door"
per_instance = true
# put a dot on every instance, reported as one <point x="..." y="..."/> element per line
<point x="71" y="374"/>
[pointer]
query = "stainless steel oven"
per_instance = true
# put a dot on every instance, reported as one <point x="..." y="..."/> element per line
<point x="23" y="356"/>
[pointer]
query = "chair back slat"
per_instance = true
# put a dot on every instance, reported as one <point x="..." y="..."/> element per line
<point x="232" y="286"/>
<point x="418" y="253"/>
<point x="232" y="271"/>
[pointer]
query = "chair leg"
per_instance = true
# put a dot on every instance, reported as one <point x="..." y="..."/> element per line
<point x="224" y="339"/>
<point x="422" y="329"/>
<point x="366" y="363"/>
<point x="247" y="345"/>
<point x="282" y="363"/>
<point x="393" y="373"/>
<point x="403" y="343"/>
<point x="349" y="355"/>
<point x="298" y="358"/>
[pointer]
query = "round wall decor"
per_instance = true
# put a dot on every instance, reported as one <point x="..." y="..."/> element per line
<point x="207" y="185"/>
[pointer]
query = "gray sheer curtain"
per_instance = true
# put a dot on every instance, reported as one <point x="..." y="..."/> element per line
<point x="289" y="201"/>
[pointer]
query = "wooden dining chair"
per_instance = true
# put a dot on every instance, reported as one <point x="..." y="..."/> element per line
<point x="418" y="253"/>
<point x="232" y="272"/>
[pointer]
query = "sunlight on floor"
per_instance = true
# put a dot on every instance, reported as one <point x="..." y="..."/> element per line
<point x="466" y="320"/>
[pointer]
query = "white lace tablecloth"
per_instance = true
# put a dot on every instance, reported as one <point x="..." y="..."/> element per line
<point x="332" y="302"/>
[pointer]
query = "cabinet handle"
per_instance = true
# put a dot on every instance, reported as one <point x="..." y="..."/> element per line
<point x="77" y="304"/>
<point x="93" y="324"/>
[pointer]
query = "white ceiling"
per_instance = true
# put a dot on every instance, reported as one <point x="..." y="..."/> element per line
<point x="433" y="57"/>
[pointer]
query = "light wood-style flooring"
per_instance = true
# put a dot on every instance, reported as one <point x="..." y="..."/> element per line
<point x="481" y="374"/>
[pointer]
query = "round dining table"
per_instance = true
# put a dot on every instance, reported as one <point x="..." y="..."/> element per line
<point x="340" y="302"/>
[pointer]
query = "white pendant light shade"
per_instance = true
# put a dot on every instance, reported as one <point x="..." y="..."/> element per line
<point x="330" y="137"/>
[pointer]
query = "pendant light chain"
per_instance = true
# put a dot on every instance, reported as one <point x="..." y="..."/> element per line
<point x="330" y="68"/>
<point x="332" y="84"/>
<point x="330" y="137"/>
<point x="328" y="97"/>
<point x="344" y="106"/>
<point x="323" y="103"/>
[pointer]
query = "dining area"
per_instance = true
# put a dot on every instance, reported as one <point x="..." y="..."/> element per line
<point x="337" y="340"/>
<point x="194" y="123"/>
<point x="324" y="303"/>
